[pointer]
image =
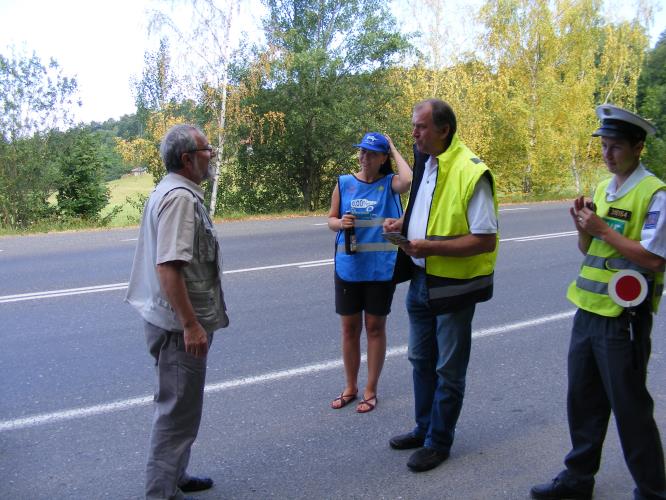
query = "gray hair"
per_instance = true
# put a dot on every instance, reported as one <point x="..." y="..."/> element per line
<point x="179" y="139"/>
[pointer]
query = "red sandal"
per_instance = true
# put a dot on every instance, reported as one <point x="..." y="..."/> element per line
<point x="368" y="403"/>
<point x="344" y="399"/>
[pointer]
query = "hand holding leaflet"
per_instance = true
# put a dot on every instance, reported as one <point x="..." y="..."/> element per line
<point x="395" y="238"/>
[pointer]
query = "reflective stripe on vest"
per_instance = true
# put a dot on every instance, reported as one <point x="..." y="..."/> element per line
<point x="455" y="290"/>
<point x="591" y="285"/>
<point x="441" y="238"/>
<point x="372" y="247"/>
<point x="379" y="221"/>
<point x="602" y="288"/>
<point x="615" y="264"/>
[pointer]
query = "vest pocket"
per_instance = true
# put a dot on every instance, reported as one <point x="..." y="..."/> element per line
<point x="207" y="245"/>
<point x="206" y="304"/>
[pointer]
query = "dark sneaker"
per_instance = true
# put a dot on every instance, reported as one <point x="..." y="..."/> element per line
<point x="426" y="459"/>
<point x="558" y="490"/>
<point x="406" y="441"/>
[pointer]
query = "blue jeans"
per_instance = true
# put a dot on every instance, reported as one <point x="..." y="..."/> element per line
<point x="439" y="348"/>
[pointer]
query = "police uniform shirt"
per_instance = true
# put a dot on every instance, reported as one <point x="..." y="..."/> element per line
<point x="653" y="233"/>
<point x="481" y="215"/>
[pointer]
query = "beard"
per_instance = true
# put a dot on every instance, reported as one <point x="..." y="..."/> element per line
<point x="210" y="173"/>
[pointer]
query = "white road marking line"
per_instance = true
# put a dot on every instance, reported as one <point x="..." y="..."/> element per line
<point x="500" y="210"/>
<point x="126" y="404"/>
<point x="540" y="236"/>
<point x="61" y="293"/>
<point x="131" y="239"/>
<point x="278" y="266"/>
<point x="121" y="286"/>
<point x="314" y="263"/>
<point x="327" y="263"/>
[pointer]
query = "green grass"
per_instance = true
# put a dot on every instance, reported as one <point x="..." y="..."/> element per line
<point x="134" y="186"/>
<point x="121" y="189"/>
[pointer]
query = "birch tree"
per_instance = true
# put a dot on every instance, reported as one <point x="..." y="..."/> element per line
<point x="207" y="38"/>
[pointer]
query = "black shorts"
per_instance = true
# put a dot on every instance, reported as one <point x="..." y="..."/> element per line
<point x="373" y="297"/>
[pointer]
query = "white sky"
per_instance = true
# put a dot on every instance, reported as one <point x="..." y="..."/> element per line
<point x="102" y="43"/>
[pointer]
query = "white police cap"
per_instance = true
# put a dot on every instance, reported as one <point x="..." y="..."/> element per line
<point x="620" y="123"/>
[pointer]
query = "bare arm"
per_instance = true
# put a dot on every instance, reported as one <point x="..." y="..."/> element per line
<point x="336" y="223"/>
<point x="403" y="179"/>
<point x="173" y="284"/>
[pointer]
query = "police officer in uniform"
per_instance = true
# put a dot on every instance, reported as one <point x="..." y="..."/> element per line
<point x="623" y="229"/>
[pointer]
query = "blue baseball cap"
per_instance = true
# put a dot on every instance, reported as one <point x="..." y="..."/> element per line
<point x="373" y="141"/>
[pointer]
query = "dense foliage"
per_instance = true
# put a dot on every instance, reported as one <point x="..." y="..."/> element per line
<point x="284" y="115"/>
<point x="81" y="192"/>
<point x="34" y="100"/>
<point x="323" y="86"/>
<point x="651" y="102"/>
<point x="37" y="160"/>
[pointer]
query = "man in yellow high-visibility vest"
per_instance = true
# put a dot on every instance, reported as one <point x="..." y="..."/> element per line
<point x="451" y="227"/>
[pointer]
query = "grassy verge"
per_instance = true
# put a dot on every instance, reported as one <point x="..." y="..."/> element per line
<point x="133" y="187"/>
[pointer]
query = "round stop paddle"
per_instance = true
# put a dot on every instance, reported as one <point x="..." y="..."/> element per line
<point x="628" y="288"/>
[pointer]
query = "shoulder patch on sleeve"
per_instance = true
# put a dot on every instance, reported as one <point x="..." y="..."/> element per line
<point x="651" y="220"/>
<point x="476" y="160"/>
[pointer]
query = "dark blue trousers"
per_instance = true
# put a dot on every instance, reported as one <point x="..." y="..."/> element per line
<point x="608" y="372"/>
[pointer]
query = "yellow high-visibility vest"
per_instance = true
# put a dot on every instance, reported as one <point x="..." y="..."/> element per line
<point x="458" y="173"/>
<point x="625" y="215"/>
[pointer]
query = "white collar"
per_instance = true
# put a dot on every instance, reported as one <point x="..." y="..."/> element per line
<point x="613" y="193"/>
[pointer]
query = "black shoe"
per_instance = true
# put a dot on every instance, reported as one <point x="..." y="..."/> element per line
<point x="557" y="490"/>
<point x="426" y="459"/>
<point x="406" y="441"/>
<point x="196" y="484"/>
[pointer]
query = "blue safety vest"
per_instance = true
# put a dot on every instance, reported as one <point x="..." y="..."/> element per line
<point x="371" y="203"/>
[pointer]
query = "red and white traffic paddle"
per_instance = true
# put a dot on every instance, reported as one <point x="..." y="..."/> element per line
<point x="628" y="289"/>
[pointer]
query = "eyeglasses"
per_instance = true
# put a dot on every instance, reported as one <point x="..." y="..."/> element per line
<point x="208" y="148"/>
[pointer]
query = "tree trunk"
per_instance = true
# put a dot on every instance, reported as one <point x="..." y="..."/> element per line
<point x="574" y="170"/>
<point x="222" y="110"/>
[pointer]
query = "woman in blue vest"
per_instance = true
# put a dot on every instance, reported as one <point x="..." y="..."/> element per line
<point x="364" y="267"/>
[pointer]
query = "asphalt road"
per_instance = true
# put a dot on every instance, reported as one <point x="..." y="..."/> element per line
<point x="76" y="386"/>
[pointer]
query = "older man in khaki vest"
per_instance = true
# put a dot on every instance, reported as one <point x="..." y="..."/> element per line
<point x="176" y="287"/>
